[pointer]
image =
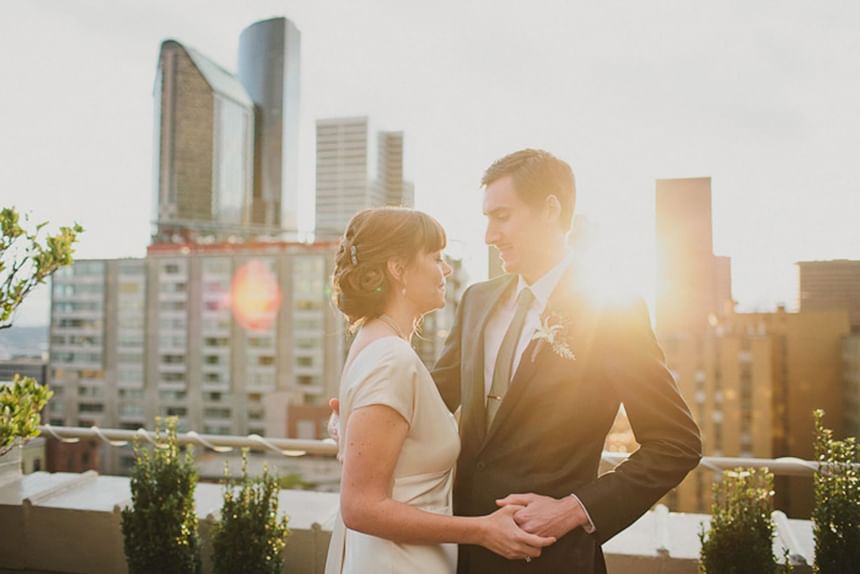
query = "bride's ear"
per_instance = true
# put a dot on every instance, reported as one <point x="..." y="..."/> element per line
<point x="396" y="268"/>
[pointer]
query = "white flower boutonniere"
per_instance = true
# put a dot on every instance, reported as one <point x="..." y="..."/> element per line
<point x="553" y="330"/>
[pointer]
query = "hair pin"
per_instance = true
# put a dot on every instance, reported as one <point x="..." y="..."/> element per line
<point x="353" y="255"/>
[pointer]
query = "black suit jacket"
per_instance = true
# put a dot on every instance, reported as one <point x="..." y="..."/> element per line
<point x="549" y="432"/>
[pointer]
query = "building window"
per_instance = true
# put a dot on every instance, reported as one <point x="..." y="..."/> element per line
<point x="91" y="408"/>
<point x="216" y="413"/>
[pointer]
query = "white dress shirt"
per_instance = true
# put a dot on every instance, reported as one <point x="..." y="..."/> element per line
<point x="500" y="320"/>
<point x="503" y="314"/>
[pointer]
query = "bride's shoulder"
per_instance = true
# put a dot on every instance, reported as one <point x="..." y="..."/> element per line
<point x="382" y="352"/>
<point x="394" y="349"/>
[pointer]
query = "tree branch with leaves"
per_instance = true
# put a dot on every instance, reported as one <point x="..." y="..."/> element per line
<point x="27" y="260"/>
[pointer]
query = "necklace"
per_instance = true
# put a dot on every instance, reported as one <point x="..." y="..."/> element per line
<point x="393" y="325"/>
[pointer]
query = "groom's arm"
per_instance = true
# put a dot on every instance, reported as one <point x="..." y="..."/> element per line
<point x="661" y="421"/>
<point x="446" y="371"/>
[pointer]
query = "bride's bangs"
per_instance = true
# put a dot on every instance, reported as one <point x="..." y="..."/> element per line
<point x="433" y="236"/>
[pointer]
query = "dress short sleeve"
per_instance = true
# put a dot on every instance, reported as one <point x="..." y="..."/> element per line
<point x="390" y="381"/>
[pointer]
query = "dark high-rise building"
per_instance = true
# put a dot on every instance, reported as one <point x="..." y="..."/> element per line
<point x="692" y="283"/>
<point x="204" y="134"/>
<point x="269" y="68"/>
<point x="831" y="286"/>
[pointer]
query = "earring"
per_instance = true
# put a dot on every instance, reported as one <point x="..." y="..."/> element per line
<point x="403" y="290"/>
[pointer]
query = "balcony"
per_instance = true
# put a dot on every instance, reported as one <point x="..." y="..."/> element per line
<point x="69" y="522"/>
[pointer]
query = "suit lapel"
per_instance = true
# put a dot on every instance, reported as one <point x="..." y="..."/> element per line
<point x="473" y="425"/>
<point x="565" y="300"/>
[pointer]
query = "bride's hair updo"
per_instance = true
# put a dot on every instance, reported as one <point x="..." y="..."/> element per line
<point x="361" y="282"/>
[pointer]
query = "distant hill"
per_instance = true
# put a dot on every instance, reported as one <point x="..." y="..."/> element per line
<point x="27" y="341"/>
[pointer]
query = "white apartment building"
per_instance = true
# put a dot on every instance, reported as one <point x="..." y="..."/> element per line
<point x="224" y="337"/>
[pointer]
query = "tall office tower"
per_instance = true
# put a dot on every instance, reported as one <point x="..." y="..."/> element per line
<point x="226" y="337"/>
<point x="345" y="183"/>
<point x="398" y="192"/>
<point x="692" y="283"/>
<point x="269" y="68"/>
<point x="831" y="285"/>
<point x="752" y="384"/>
<point x="204" y="145"/>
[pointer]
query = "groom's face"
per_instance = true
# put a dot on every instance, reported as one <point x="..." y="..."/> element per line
<point x="516" y="229"/>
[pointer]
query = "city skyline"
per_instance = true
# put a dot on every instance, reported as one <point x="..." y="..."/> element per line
<point x="763" y="103"/>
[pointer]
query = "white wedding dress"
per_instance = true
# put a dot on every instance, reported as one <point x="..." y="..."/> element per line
<point x="388" y="372"/>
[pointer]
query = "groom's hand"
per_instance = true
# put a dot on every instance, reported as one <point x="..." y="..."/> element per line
<point x="546" y="516"/>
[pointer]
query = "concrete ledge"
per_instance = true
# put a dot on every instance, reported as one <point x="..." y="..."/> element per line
<point x="66" y="522"/>
<point x="10" y="466"/>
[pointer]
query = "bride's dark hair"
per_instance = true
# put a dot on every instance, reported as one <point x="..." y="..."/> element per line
<point x="361" y="282"/>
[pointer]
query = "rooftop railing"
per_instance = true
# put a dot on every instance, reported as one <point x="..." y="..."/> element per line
<point x="291" y="447"/>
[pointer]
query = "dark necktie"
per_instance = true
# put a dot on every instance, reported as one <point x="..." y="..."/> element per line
<point x="505" y="358"/>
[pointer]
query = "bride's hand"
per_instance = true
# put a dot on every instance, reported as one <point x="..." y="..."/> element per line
<point x="502" y="535"/>
<point x="334" y="425"/>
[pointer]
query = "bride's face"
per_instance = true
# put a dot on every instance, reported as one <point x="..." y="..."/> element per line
<point x="425" y="281"/>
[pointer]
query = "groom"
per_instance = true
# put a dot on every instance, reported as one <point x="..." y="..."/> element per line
<point x="540" y="370"/>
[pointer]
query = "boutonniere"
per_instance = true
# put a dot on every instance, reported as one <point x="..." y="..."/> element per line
<point x="553" y="330"/>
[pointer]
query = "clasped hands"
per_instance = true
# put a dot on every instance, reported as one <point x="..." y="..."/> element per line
<point x="544" y="515"/>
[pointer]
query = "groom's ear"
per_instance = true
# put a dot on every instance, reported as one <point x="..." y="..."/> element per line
<point x="553" y="209"/>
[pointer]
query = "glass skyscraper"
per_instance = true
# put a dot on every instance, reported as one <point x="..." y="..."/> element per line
<point x="269" y="68"/>
<point x="204" y="147"/>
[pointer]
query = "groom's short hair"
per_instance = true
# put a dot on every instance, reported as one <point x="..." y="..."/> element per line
<point x="536" y="175"/>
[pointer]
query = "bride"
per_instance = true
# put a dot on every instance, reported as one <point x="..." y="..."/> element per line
<point x="398" y="441"/>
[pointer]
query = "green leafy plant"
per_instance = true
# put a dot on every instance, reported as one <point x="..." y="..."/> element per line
<point x="836" y="516"/>
<point x="20" y="406"/>
<point x="295" y="481"/>
<point x="25" y="261"/>
<point x="249" y="537"/>
<point x="740" y="539"/>
<point x="160" y="528"/>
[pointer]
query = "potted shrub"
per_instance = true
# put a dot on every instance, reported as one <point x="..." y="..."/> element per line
<point x="160" y="527"/>
<point x="740" y="538"/>
<point x="249" y="538"/>
<point x="20" y="405"/>
<point x="836" y="516"/>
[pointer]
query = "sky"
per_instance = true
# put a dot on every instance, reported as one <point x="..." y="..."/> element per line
<point x="762" y="96"/>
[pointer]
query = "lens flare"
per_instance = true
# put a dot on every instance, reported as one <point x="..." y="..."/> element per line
<point x="255" y="296"/>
